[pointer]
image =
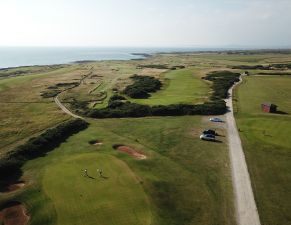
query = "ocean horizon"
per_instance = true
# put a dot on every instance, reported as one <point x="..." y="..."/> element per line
<point x="31" y="56"/>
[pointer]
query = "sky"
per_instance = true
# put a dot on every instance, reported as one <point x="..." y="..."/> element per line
<point x="146" y="23"/>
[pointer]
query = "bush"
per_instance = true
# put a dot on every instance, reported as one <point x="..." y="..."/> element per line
<point x="116" y="97"/>
<point x="136" y="110"/>
<point x="154" y="66"/>
<point x="39" y="146"/>
<point x="9" y="167"/>
<point x="222" y="81"/>
<point x="50" y="93"/>
<point x="142" y="86"/>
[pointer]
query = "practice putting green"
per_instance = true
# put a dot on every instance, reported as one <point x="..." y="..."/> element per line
<point x="116" y="199"/>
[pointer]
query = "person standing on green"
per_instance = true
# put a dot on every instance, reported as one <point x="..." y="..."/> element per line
<point x="85" y="173"/>
<point x="100" y="172"/>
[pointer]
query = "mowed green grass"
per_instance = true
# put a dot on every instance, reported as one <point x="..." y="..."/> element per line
<point x="267" y="144"/>
<point x="183" y="181"/>
<point x="259" y="89"/>
<point x="180" y="86"/>
<point x="117" y="199"/>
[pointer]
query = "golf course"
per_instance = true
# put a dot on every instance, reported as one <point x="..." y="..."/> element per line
<point x="140" y="160"/>
<point x="267" y="143"/>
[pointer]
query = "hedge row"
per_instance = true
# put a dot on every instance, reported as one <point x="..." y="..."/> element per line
<point x="142" y="86"/>
<point x="38" y="146"/>
<point x="263" y="67"/>
<point x="154" y="66"/>
<point x="222" y="82"/>
<point x="119" y="109"/>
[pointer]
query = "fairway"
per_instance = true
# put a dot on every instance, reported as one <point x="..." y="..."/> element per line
<point x="180" y="86"/>
<point x="116" y="199"/>
<point x="266" y="141"/>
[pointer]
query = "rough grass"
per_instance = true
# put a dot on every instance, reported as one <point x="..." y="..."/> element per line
<point x="23" y="111"/>
<point x="267" y="144"/>
<point x="180" y="86"/>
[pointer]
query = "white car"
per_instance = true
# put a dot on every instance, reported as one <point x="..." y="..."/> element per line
<point x="207" y="137"/>
<point x="215" y="119"/>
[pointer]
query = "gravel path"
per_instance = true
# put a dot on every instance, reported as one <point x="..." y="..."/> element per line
<point x="65" y="109"/>
<point x="246" y="210"/>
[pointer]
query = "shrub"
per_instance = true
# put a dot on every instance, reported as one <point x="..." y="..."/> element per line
<point x="142" y="86"/>
<point x="154" y="66"/>
<point x="38" y="146"/>
<point x="116" y="97"/>
<point x="136" y="110"/>
<point x="222" y="81"/>
<point x="50" y="93"/>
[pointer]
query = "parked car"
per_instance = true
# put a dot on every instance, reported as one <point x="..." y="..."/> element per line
<point x="207" y="137"/>
<point x="209" y="132"/>
<point x="216" y="119"/>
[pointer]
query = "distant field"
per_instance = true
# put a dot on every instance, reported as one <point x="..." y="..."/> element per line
<point x="267" y="144"/>
<point x="181" y="86"/>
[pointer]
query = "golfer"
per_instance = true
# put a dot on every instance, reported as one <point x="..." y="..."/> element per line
<point x="100" y="172"/>
<point x="85" y="173"/>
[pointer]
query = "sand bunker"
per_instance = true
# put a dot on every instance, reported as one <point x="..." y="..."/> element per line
<point x="14" y="187"/>
<point x="132" y="152"/>
<point x="14" y="213"/>
<point x="95" y="142"/>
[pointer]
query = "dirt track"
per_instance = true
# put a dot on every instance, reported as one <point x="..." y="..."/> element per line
<point x="65" y="109"/>
<point x="246" y="210"/>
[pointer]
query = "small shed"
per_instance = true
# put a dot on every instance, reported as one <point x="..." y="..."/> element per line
<point x="269" y="107"/>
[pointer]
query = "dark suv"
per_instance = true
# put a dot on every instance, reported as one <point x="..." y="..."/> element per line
<point x="212" y="132"/>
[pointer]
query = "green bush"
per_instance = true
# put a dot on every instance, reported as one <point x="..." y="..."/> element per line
<point x="142" y="86"/>
<point x="38" y="146"/>
<point x="154" y="66"/>
<point x="222" y="82"/>
<point x="50" y="93"/>
<point x="136" y="110"/>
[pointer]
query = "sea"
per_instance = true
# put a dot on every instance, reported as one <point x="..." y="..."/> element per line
<point x="30" y="56"/>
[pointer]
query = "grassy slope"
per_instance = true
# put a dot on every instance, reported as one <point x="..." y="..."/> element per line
<point x="181" y="86"/>
<point x="266" y="140"/>
<point x="184" y="180"/>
